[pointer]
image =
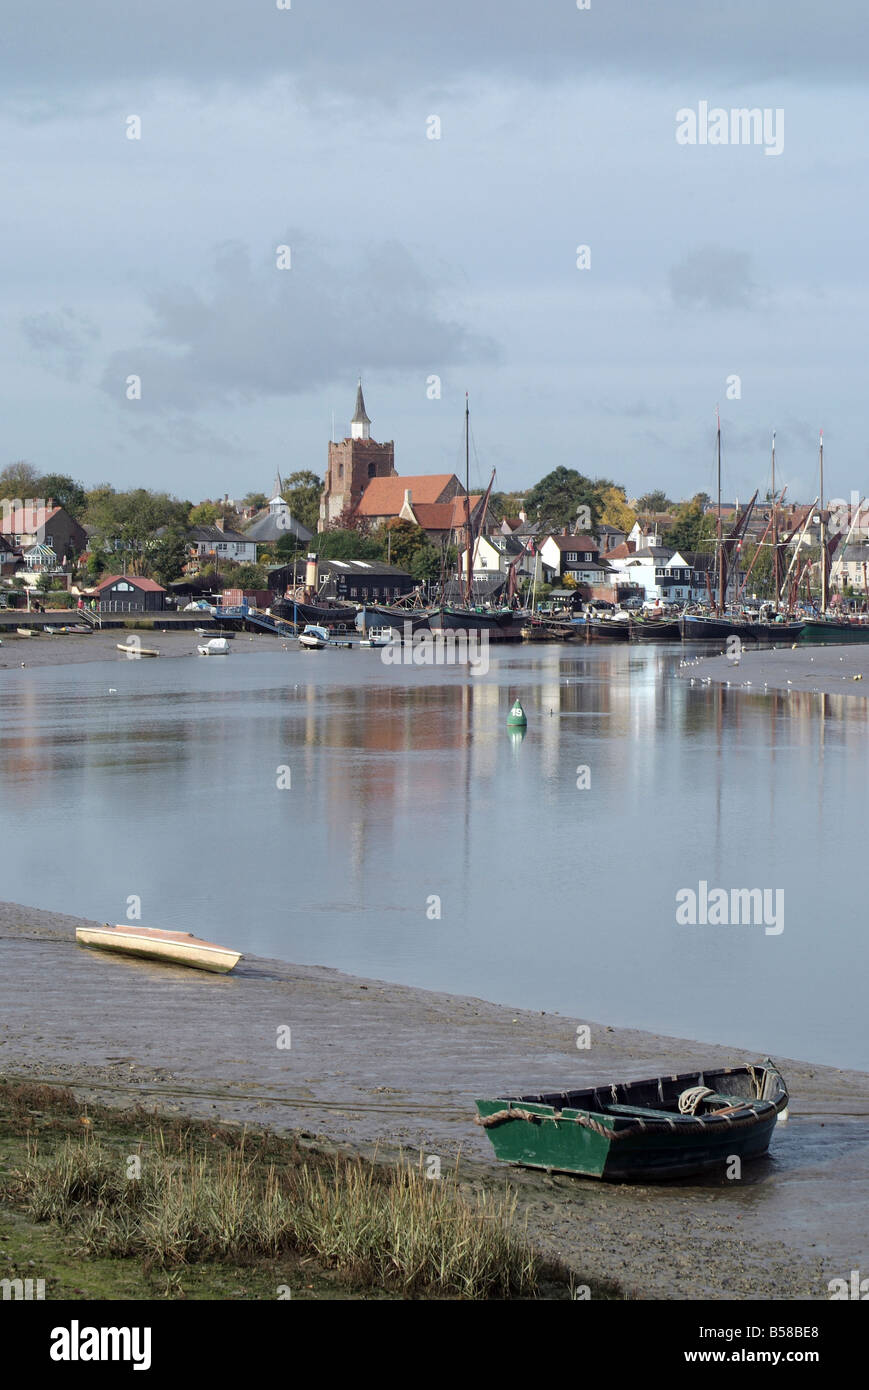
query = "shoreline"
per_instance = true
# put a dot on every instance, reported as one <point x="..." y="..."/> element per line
<point x="76" y="649"/>
<point x="376" y="1067"/>
<point x="822" y="670"/>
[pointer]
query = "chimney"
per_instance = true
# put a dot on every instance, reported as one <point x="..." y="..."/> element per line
<point x="219" y="523"/>
<point x="407" y="496"/>
<point x="523" y="518"/>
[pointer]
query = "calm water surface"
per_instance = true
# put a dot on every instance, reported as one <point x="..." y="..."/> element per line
<point x="406" y="785"/>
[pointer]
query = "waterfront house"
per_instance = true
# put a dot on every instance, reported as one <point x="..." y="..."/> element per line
<point x="496" y="554"/>
<point x="360" y="581"/>
<point x="210" y="545"/>
<point x="573" y="556"/>
<point x="129" y="593"/>
<point x="11" y="557"/>
<point x="274" y="522"/>
<point x="33" y="523"/>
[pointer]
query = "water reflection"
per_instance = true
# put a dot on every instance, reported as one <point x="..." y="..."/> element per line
<point x="554" y="894"/>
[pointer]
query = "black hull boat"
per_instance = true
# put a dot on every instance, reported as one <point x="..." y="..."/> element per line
<point x="471" y="619"/>
<point x="312" y="613"/>
<point x="656" y="630"/>
<point x="695" y="628"/>
<point x="379" y="616"/>
<point x="603" y="630"/>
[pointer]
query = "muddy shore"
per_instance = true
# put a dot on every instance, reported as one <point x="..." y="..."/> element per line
<point x="833" y="670"/>
<point x="375" y="1066"/>
<point x="72" y="649"/>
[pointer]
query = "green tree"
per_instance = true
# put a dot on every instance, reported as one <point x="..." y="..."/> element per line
<point x="692" y="527"/>
<point x="65" y="491"/>
<point x="557" y="498"/>
<point x="126" y="524"/>
<point x="255" y="500"/>
<point x="205" y="514"/>
<point x="169" y="554"/>
<point x="345" y="545"/>
<point x="19" y="479"/>
<point x="657" y="501"/>
<point x="302" y="495"/>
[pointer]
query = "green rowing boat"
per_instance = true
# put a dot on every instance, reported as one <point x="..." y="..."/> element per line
<point x="669" y="1127"/>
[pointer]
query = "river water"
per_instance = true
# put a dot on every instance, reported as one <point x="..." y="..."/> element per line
<point x="324" y="807"/>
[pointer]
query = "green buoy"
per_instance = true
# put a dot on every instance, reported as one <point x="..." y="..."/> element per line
<point x="516" y="719"/>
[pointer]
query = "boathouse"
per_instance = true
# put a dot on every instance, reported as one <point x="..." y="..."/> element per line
<point x="129" y="593"/>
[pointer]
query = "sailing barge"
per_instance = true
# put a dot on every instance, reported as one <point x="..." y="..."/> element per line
<point x="669" y="1127"/>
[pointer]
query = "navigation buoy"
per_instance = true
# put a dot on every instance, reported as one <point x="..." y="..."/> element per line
<point x="516" y="719"/>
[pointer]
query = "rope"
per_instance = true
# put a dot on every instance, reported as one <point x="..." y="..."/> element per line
<point x="690" y="1100"/>
<point x="746" y="1113"/>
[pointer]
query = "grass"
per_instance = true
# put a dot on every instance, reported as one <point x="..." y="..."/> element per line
<point x="187" y="1202"/>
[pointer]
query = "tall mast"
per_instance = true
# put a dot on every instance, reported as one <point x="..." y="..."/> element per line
<point x="823" y="533"/>
<point x="774" y="529"/>
<point x="722" y="579"/>
<point x="468" y="496"/>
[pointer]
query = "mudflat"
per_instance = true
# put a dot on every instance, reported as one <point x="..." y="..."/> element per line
<point x="832" y="670"/>
<point x="373" y="1066"/>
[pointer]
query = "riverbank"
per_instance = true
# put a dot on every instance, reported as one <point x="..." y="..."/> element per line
<point x="832" y="670"/>
<point x="72" y="649"/>
<point x="374" y="1068"/>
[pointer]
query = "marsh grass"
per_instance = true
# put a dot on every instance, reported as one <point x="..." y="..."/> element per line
<point x="242" y="1198"/>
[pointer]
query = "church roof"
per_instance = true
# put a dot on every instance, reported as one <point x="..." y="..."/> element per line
<point x="385" y="496"/>
<point x="444" y="516"/>
<point x="360" y="417"/>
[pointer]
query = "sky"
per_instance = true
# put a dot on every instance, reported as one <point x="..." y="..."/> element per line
<point x="716" y="275"/>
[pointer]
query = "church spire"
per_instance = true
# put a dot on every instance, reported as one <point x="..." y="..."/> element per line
<point x="360" y="425"/>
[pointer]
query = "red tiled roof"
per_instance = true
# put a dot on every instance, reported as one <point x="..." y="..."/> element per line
<point x="621" y="552"/>
<point x="148" y="585"/>
<point x="385" y="496"/>
<point x="443" y="516"/>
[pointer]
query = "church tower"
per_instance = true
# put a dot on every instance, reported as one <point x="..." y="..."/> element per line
<point x="352" y="463"/>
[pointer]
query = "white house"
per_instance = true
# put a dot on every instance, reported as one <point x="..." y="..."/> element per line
<point x="495" y="554"/>
<point x="215" y="543"/>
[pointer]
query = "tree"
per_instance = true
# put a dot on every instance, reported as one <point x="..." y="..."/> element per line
<point x="126" y="524"/>
<point x="556" y="499"/>
<point x="245" y="577"/>
<point x="503" y="504"/>
<point x="615" y="510"/>
<point x="65" y="491"/>
<point x="169" y="554"/>
<point x="345" y="545"/>
<point x="302" y="495"/>
<point x="691" y="528"/>
<point x="657" y="501"/>
<point x="19" y="479"/>
<point x="255" y="500"/>
<point x="205" y="514"/>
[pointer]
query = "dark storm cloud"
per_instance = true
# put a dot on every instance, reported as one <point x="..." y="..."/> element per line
<point x="62" y="339"/>
<point x="379" y="47"/>
<point x="262" y="331"/>
<point x="713" y="278"/>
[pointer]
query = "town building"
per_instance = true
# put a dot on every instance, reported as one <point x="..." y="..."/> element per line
<point x="352" y="464"/>
<point x="129" y="593"/>
<point x="209" y="545"/>
<point x="28" y="525"/>
<point x="275" y="522"/>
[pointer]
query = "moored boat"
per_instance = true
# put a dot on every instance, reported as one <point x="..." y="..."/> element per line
<point x="218" y="646"/>
<point x="655" y="630"/>
<point x="314" y="637"/>
<point x="149" y="943"/>
<point x="823" y="631"/>
<point x="471" y="619"/>
<point x="135" y="650"/>
<point x="667" y="1127"/>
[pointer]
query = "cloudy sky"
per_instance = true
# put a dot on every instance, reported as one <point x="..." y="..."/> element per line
<point x="412" y="258"/>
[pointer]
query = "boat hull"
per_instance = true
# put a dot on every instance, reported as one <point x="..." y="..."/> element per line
<point x="470" y="619"/>
<point x="656" y="630"/>
<point x="147" y="943"/>
<point x="599" y="630"/>
<point x="815" y="633"/>
<point x="594" y="1133"/>
<point x="311" y="613"/>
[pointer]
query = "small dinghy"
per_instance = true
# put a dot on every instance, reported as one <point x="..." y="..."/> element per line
<point x="669" y="1127"/>
<point x="218" y="646"/>
<point x="177" y="947"/>
<point x="132" y="649"/>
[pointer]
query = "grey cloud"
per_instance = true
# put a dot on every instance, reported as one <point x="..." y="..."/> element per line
<point x="712" y="277"/>
<point x="61" y="338"/>
<point x="179" y="434"/>
<point x="260" y="331"/>
<point x="384" y="46"/>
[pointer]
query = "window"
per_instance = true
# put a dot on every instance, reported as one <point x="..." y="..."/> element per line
<point x="572" y="556"/>
<point x="371" y="470"/>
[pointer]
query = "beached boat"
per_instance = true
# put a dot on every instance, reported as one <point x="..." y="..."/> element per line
<point x="314" y="637"/>
<point x="133" y="649"/>
<point x="669" y="1127"/>
<point x="27" y="631"/>
<point x="218" y="646"/>
<point x="176" y="947"/>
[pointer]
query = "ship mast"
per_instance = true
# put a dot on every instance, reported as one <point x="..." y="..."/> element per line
<point x="775" y="560"/>
<point x="468" y="498"/>
<point x="823" y="532"/>
<point x="722" y="581"/>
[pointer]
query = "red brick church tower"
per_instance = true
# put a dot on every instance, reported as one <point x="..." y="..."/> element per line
<point x="353" y="462"/>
